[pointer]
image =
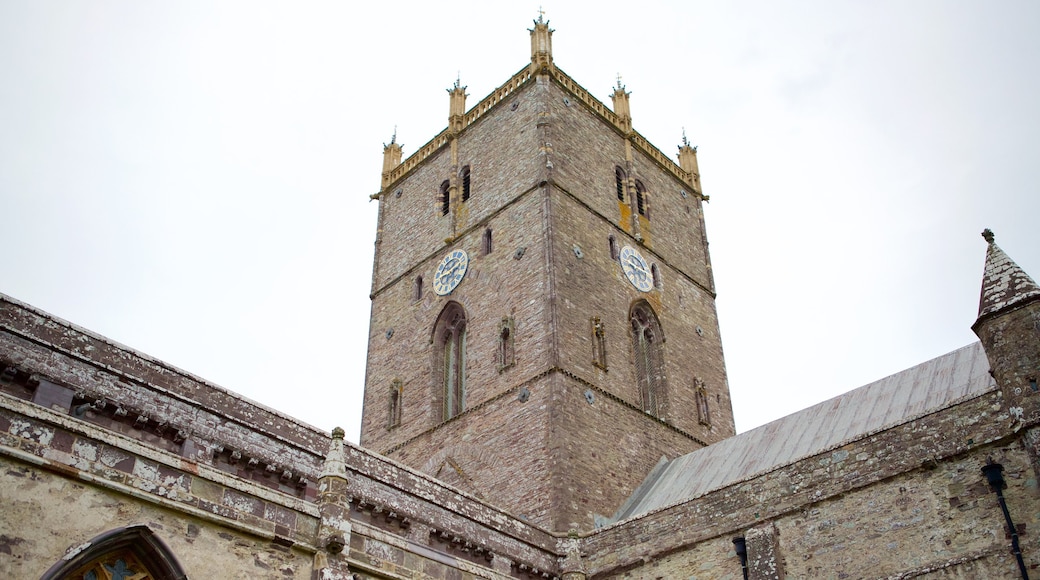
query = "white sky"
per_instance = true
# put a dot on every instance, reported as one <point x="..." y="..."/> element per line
<point x="192" y="178"/>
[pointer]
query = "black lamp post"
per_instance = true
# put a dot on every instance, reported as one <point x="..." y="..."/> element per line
<point x="740" y="545"/>
<point x="994" y="473"/>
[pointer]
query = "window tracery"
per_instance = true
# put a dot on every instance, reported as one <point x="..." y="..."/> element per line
<point x="649" y="356"/>
<point x="450" y="359"/>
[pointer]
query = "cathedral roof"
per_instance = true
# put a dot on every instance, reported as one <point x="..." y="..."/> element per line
<point x="954" y="377"/>
<point x="1004" y="283"/>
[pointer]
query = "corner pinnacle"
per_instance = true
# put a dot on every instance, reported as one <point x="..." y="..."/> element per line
<point x="987" y="234"/>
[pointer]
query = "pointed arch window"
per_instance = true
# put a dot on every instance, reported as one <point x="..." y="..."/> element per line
<point x="444" y="197"/>
<point x="449" y="360"/>
<point x="612" y="243"/>
<point x="465" y="178"/>
<point x="619" y="182"/>
<point x="655" y="273"/>
<point x="417" y="291"/>
<point x="648" y="342"/>
<point x="642" y="200"/>
<point x="121" y="554"/>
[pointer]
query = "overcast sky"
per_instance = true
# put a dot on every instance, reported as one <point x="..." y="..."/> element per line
<point x="191" y="179"/>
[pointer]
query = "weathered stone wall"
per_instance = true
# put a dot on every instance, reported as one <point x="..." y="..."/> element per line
<point x="499" y="451"/>
<point x="549" y="293"/>
<point x="496" y="286"/>
<point x="46" y="515"/>
<point x="885" y="504"/>
<point x="594" y="285"/>
<point x="1006" y="336"/>
<point x="601" y="450"/>
<point x="67" y="441"/>
<point x="504" y="158"/>
<point x="64" y="481"/>
<point x="586" y="149"/>
<point x="76" y="372"/>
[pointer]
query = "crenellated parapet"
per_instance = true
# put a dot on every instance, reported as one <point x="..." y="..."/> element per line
<point x="623" y="125"/>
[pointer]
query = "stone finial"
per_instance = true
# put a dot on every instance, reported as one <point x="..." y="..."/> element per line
<point x="391" y="157"/>
<point x="335" y="465"/>
<point x="688" y="163"/>
<point x="541" y="45"/>
<point x="621" y="105"/>
<point x="456" y="105"/>
<point x="987" y="234"/>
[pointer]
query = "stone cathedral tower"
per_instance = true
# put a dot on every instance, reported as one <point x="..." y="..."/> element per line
<point x="543" y="322"/>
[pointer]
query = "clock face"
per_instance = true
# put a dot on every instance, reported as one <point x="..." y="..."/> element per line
<point x="635" y="268"/>
<point x="450" y="272"/>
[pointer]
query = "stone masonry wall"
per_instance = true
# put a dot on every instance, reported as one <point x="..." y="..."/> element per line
<point x="883" y="504"/>
<point x="64" y="481"/>
<point x="504" y="158"/>
<point x="87" y="450"/>
<point x="507" y="283"/>
<point x="601" y="450"/>
<point x="46" y="515"/>
<point x="594" y="285"/>
<point x="586" y="150"/>
<point x="498" y="451"/>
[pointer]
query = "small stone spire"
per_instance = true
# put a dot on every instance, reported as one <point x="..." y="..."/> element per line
<point x="1009" y="329"/>
<point x="1004" y="283"/>
<point x="621" y="106"/>
<point x="688" y="163"/>
<point x="541" y="45"/>
<point x="391" y="157"/>
<point x="335" y="466"/>
<point x="456" y="106"/>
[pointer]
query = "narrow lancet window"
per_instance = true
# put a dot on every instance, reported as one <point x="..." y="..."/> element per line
<point x="444" y="197"/>
<point x="464" y="174"/>
<point x="486" y="242"/>
<point x="612" y="242"/>
<point x="417" y="292"/>
<point x="394" y="415"/>
<point x="642" y="205"/>
<point x="647" y="341"/>
<point x="619" y="181"/>
<point x="506" y="347"/>
<point x="599" y="344"/>
<point x="449" y="360"/>
<point x="655" y="272"/>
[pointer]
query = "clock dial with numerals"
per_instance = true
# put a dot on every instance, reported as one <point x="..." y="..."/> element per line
<point x="450" y="272"/>
<point x="635" y="268"/>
